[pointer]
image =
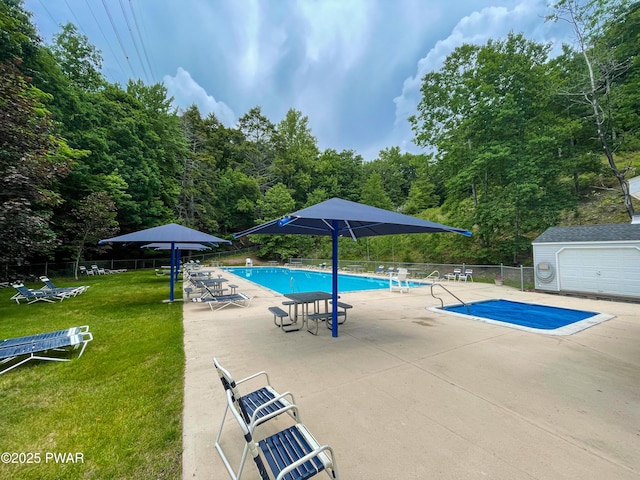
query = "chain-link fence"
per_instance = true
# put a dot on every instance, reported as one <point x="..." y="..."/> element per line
<point x="522" y="277"/>
<point x="31" y="272"/>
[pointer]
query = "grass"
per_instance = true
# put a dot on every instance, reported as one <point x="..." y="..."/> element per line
<point x="119" y="405"/>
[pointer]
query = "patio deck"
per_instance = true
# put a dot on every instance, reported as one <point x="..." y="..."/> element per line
<point x="408" y="393"/>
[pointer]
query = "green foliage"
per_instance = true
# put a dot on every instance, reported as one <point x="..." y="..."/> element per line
<point x="277" y="201"/>
<point x="373" y="193"/>
<point x="491" y="113"/>
<point x="78" y="59"/>
<point x="32" y="159"/>
<point x="296" y="151"/>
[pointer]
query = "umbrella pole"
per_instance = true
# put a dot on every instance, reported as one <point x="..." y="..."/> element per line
<point x="334" y="253"/>
<point x="173" y="266"/>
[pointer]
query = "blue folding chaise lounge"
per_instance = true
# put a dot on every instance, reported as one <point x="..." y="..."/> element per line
<point x="43" y="346"/>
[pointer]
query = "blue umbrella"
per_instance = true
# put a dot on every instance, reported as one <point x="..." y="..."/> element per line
<point x="178" y="246"/>
<point x="341" y="218"/>
<point x="170" y="234"/>
<point x="176" y="251"/>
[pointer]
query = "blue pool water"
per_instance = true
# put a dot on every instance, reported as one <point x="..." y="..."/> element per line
<point x="280" y="280"/>
<point x="530" y="316"/>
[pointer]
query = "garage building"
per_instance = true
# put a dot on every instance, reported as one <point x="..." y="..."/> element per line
<point x="602" y="260"/>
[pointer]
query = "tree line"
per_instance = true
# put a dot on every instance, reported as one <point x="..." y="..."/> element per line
<point x="513" y="138"/>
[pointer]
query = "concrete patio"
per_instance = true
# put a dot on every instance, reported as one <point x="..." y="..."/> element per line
<point x="408" y="393"/>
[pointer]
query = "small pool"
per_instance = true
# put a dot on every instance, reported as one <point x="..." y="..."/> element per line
<point x="286" y="280"/>
<point x="532" y="317"/>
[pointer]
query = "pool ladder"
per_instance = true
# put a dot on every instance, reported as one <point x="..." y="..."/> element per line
<point x="293" y="284"/>
<point x="450" y="293"/>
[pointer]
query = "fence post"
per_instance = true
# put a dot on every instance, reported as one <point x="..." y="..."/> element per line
<point x="521" y="278"/>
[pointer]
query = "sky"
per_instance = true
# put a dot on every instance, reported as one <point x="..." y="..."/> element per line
<point x="353" y="67"/>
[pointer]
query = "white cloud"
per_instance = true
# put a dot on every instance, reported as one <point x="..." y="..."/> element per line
<point x="186" y="91"/>
<point x="336" y="30"/>
<point x="476" y="28"/>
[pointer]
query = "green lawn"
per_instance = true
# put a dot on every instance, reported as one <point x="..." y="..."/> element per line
<point x="119" y="406"/>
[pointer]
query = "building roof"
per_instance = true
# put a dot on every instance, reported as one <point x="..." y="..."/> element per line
<point x="591" y="233"/>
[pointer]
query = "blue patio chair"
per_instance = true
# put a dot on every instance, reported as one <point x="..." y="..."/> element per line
<point x="258" y="406"/>
<point x="43" y="346"/>
<point x="32" y="296"/>
<point x="292" y="453"/>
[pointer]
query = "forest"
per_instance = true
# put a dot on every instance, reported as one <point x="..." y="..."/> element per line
<point x="515" y="141"/>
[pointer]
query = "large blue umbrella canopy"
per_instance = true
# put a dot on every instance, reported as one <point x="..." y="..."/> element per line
<point x="169" y="234"/>
<point x="178" y="246"/>
<point x="341" y="218"/>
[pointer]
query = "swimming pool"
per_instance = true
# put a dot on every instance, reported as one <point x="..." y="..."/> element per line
<point x="286" y="280"/>
<point x="532" y="317"/>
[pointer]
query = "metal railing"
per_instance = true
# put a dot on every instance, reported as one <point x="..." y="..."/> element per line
<point x="449" y="292"/>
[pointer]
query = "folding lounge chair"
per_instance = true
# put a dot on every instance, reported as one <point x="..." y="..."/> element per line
<point x="49" y="286"/>
<point x="67" y="332"/>
<point x="292" y="453"/>
<point x="218" y="302"/>
<point x="32" y="296"/>
<point x="44" y="346"/>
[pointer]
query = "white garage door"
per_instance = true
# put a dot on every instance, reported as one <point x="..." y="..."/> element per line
<point x="609" y="271"/>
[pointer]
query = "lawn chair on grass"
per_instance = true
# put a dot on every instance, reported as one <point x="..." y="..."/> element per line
<point x="32" y="296"/>
<point x="49" y="286"/>
<point x="84" y="270"/>
<point x="43" y="346"/>
<point x="292" y="453"/>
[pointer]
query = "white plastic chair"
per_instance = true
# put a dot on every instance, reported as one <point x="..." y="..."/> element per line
<point x="399" y="281"/>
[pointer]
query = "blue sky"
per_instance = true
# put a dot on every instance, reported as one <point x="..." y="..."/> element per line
<point x="353" y="67"/>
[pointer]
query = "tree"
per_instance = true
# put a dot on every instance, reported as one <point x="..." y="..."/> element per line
<point x="80" y="61"/>
<point x="95" y="219"/>
<point x="590" y="21"/>
<point x="373" y="193"/>
<point x="491" y="115"/>
<point x="296" y="151"/>
<point x="277" y="201"/>
<point x="339" y="174"/>
<point x="32" y="159"/>
<point x="259" y="148"/>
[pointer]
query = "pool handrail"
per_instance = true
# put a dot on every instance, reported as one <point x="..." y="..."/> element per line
<point x="449" y="292"/>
